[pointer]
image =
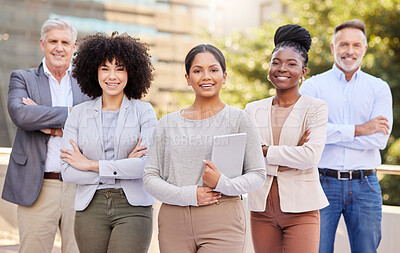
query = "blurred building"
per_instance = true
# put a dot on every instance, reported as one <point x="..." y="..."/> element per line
<point x="170" y="27"/>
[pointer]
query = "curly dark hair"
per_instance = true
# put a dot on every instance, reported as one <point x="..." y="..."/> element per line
<point x="95" y="50"/>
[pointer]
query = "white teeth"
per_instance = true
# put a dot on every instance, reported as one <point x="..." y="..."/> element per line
<point x="282" y="77"/>
<point x="206" y="85"/>
<point x="112" y="84"/>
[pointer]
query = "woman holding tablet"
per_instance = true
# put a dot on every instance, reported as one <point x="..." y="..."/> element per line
<point x="285" y="216"/>
<point x="201" y="210"/>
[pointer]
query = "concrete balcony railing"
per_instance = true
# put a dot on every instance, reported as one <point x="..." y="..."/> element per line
<point x="390" y="221"/>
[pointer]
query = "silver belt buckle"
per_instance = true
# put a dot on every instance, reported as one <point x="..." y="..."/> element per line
<point x="350" y="175"/>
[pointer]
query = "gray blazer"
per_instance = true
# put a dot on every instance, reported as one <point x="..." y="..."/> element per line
<point x="136" y="119"/>
<point x="27" y="161"/>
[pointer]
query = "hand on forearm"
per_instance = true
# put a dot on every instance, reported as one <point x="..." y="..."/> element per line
<point x="46" y="131"/>
<point x="378" y="124"/>
<point x="56" y="131"/>
<point x="304" y="138"/>
<point x="206" y="196"/>
<point x="53" y="131"/>
<point x="138" y="151"/>
<point x="28" y="101"/>
<point x="59" y="132"/>
<point x="265" y="150"/>
<point x="77" y="160"/>
<point x="283" y="168"/>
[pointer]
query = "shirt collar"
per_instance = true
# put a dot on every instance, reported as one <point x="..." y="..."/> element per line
<point x="340" y="75"/>
<point x="47" y="71"/>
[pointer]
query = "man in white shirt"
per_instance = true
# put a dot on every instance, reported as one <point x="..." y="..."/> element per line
<point x="359" y="124"/>
<point x="39" y="101"/>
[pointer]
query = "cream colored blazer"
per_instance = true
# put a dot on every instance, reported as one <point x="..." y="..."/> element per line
<point x="299" y="188"/>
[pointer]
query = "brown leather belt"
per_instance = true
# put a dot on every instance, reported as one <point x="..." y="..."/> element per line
<point x="52" y="175"/>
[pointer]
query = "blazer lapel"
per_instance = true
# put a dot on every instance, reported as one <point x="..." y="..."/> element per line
<point x="293" y="123"/>
<point x="272" y="170"/>
<point x="269" y="111"/>
<point x="76" y="92"/>
<point x="122" y="117"/>
<point x="44" y="88"/>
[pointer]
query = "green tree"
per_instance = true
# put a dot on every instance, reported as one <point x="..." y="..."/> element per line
<point x="248" y="54"/>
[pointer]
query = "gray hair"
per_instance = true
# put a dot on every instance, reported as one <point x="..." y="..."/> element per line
<point x="57" y="23"/>
<point x="354" y="23"/>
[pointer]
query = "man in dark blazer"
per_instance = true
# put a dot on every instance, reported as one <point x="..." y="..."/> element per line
<point x="39" y="101"/>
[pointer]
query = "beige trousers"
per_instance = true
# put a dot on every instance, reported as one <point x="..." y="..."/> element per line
<point x="216" y="228"/>
<point x="53" y="209"/>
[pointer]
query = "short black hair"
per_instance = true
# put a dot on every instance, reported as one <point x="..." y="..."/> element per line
<point x="293" y="36"/>
<point x="95" y="50"/>
<point x="201" y="49"/>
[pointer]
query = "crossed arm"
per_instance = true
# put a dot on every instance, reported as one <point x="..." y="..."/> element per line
<point x="51" y="131"/>
<point x="307" y="154"/>
<point x="372" y="134"/>
<point x="304" y="139"/>
<point x="28" y="115"/>
<point x="80" y="169"/>
<point x="77" y="160"/>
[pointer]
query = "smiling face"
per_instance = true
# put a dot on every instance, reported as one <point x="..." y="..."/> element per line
<point x="286" y="69"/>
<point x="112" y="78"/>
<point x="348" y="48"/>
<point x="58" y="48"/>
<point x="206" y="75"/>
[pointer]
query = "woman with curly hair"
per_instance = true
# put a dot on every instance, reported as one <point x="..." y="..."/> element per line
<point x="285" y="216"/>
<point x="202" y="209"/>
<point x="101" y="145"/>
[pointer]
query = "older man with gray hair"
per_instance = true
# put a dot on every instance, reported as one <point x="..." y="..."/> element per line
<point x="39" y="101"/>
<point x="359" y="123"/>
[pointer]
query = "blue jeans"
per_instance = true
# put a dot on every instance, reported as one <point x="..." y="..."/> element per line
<point x="360" y="202"/>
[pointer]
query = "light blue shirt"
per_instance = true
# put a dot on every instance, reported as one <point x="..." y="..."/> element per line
<point x="351" y="103"/>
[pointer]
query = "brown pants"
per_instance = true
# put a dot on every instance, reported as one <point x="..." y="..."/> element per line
<point x="215" y="228"/>
<point x="275" y="231"/>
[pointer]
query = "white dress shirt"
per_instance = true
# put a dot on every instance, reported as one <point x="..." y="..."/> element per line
<point x="61" y="95"/>
<point x="351" y="103"/>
